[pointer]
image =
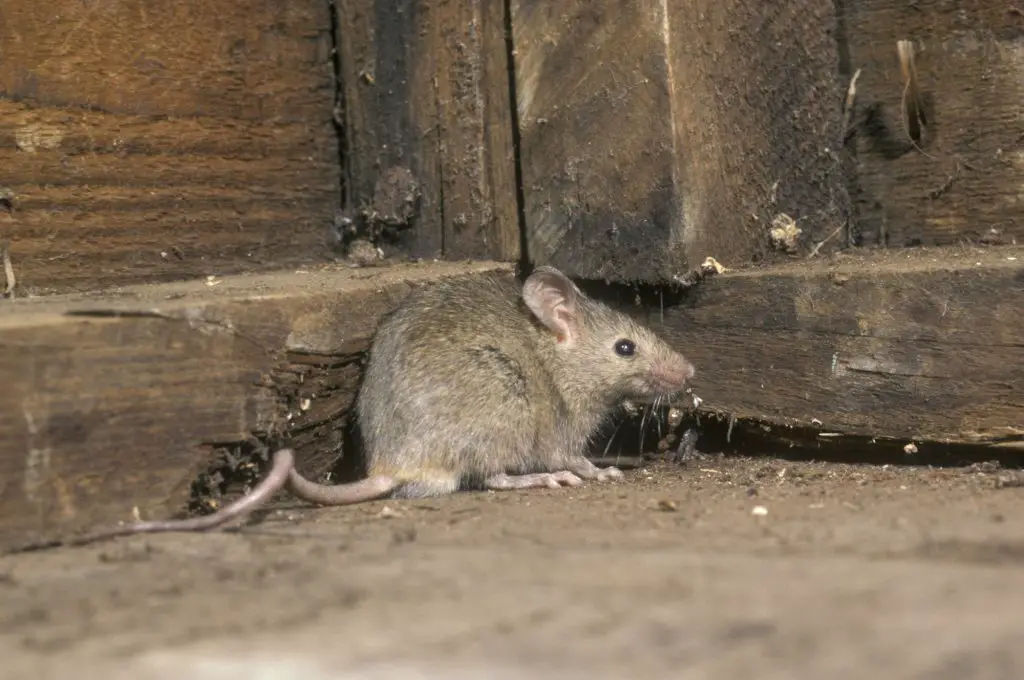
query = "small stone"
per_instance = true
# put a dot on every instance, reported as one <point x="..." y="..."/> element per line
<point x="666" y="505"/>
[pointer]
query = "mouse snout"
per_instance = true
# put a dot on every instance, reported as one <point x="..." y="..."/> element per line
<point x="673" y="373"/>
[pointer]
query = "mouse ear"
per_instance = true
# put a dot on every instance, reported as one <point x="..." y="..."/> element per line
<point x="553" y="297"/>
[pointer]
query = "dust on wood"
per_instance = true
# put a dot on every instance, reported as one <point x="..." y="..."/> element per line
<point x="426" y="90"/>
<point x="148" y="142"/>
<point x="117" y="401"/>
<point x="961" y="181"/>
<point x="653" y="136"/>
<point x="913" y="345"/>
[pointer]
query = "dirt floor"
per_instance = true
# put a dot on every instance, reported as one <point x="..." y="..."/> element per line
<point x="723" y="567"/>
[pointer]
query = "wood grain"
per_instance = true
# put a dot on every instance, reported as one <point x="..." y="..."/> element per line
<point x="155" y="142"/>
<point x="962" y="183"/>
<point x="102" y="414"/>
<point x="426" y="91"/>
<point x="914" y="345"/>
<point x="656" y="134"/>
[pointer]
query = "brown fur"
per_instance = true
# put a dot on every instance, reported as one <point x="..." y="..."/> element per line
<point x="464" y="382"/>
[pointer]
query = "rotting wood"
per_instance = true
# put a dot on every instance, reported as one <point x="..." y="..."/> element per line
<point x="146" y="143"/>
<point x="913" y="345"/>
<point x="961" y="181"/>
<point x="120" y="408"/>
<point x="655" y="135"/>
<point x="426" y="93"/>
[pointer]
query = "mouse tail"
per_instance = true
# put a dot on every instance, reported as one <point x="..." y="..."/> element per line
<point x="368" y="489"/>
<point x="283" y="464"/>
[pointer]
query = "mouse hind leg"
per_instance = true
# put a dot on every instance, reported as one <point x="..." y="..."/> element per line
<point x="421" y="468"/>
<point x="533" y="480"/>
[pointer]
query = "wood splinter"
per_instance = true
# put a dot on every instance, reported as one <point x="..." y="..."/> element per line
<point x="850" y="103"/>
<point x="9" y="279"/>
<point x="913" y="112"/>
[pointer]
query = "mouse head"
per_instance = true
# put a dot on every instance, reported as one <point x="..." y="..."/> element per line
<point x="598" y="352"/>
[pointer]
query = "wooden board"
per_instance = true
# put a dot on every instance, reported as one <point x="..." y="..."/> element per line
<point x="963" y="181"/>
<point x="99" y="415"/>
<point x="148" y="142"/>
<point x="656" y="134"/>
<point x="426" y="92"/>
<point x="913" y="345"/>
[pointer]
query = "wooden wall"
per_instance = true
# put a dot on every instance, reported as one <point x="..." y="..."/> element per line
<point x="651" y="135"/>
<point x="615" y="139"/>
<point x="656" y="134"/>
<point x="151" y="141"/>
<point x="962" y="182"/>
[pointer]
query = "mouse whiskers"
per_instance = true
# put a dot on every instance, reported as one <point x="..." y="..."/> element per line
<point x="659" y="403"/>
<point x="643" y="427"/>
<point x="608" y="446"/>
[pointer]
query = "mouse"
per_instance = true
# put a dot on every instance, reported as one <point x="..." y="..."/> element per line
<point x="482" y="383"/>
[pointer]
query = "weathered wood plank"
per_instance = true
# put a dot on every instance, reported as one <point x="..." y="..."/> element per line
<point x="914" y="345"/>
<point x="655" y="134"/>
<point x="962" y="182"/>
<point x="100" y="415"/>
<point x="155" y="142"/>
<point x="426" y="93"/>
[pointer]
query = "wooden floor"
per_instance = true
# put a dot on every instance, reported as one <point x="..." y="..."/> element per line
<point x="849" y="572"/>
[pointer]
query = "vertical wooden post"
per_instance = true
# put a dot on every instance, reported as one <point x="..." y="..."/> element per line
<point x="657" y="133"/>
<point x="426" y="91"/>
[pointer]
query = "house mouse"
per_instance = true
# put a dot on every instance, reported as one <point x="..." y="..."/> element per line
<point x="483" y="383"/>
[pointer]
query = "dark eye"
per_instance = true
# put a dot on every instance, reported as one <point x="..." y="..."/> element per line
<point x="625" y="348"/>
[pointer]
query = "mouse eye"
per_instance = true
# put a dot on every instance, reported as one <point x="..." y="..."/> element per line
<point x="625" y="348"/>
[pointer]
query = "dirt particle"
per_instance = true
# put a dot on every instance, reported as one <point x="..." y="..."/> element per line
<point x="784" y="234"/>
<point x="988" y="466"/>
<point x="1009" y="480"/>
<point x="403" y="535"/>
<point x="127" y="554"/>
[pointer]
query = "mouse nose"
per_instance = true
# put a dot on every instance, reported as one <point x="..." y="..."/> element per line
<point x="675" y="373"/>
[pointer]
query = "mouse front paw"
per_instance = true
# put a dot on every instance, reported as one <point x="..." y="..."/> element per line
<point x="609" y="473"/>
<point x="584" y="469"/>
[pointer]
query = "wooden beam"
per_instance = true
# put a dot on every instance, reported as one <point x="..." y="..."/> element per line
<point x="146" y="143"/>
<point x="427" y="98"/>
<point x="103" y="414"/>
<point x="654" y="135"/>
<point x="960" y="181"/>
<point x="913" y="345"/>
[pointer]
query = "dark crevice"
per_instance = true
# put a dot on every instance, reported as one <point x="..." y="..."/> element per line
<point x="525" y="264"/>
<point x="719" y="434"/>
<point x="440" y="167"/>
<point x="338" y="119"/>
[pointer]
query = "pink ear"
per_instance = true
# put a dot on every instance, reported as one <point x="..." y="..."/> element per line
<point x="552" y="298"/>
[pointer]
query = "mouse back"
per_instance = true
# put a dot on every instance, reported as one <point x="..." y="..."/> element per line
<point x="449" y="367"/>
